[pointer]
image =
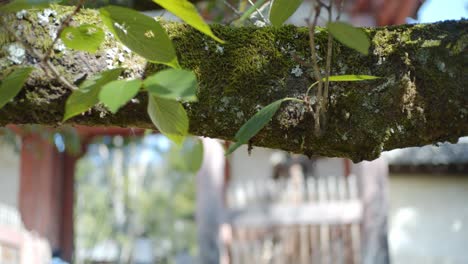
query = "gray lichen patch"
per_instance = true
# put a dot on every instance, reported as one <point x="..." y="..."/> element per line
<point x="291" y="115"/>
<point x="16" y="53"/>
<point x="297" y="71"/>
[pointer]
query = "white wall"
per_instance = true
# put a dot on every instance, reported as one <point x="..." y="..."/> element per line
<point x="257" y="165"/>
<point x="429" y="219"/>
<point x="330" y="167"/>
<point x="9" y="175"/>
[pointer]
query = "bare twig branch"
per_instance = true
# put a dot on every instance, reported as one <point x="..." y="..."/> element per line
<point x="328" y="60"/>
<point x="232" y="8"/>
<point x="316" y="69"/>
<point x="46" y="65"/>
<point x="259" y="12"/>
<point x="60" y="77"/>
<point x="63" y="25"/>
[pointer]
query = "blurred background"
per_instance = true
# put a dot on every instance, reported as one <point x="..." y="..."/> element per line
<point x="113" y="195"/>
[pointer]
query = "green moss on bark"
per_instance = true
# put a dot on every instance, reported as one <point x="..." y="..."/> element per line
<point x="420" y="99"/>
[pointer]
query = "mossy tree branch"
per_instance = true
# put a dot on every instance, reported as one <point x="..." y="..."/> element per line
<point x="420" y="99"/>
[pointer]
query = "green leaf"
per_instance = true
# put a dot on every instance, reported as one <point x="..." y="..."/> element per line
<point x="11" y="85"/>
<point x="192" y="153"/>
<point x="281" y="10"/>
<point x="188" y="13"/>
<point x="87" y="95"/>
<point x="18" y="5"/>
<point x="140" y="33"/>
<point x="85" y="37"/>
<point x="187" y="157"/>
<point x="350" y="36"/>
<point x="169" y="117"/>
<point x="116" y="94"/>
<point x="173" y="84"/>
<point x="195" y="160"/>
<point x="255" y="124"/>
<point x="350" y="78"/>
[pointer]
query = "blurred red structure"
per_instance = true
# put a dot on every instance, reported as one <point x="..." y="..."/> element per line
<point x="46" y="193"/>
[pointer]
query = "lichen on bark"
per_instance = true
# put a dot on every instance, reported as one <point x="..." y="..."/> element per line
<point x="420" y="99"/>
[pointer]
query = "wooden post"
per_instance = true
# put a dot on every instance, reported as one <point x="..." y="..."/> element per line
<point x="68" y="204"/>
<point x="46" y="196"/>
<point x="40" y="195"/>
<point x="372" y="183"/>
<point x="210" y="201"/>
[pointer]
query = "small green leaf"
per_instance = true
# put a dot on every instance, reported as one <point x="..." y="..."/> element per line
<point x="281" y="10"/>
<point x="193" y="155"/>
<point x="255" y="124"/>
<point x="350" y="36"/>
<point x="350" y="78"/>
<point x="87" y="95"/>
<point x="140" y="33"/>
<point x="18" y="5"/>
<point x="188" y="13"/>
<point x="116" y="94"/>
<point x="11" y="85"/>
<point x="169" y="117"/>
<point x="85" y="37"/>
<point x="173" y="84"/>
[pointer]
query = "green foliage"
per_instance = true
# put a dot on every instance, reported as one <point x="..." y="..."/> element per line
<point x="157" y="196"/>
<point x="281" y="10"/>
<point x="12" y="84"/>
<point x="188" y="13"/>
<point x="173" y="84"/>
<point x="17" y="5"/>
<point x="140" y="33"/>
<point x="169" y="117"/>
<point x="351" y="78"/>
<point x="116" y="94"/>
<point x="350" y="36"/>
<point x="85" y="37"/>
<point x="255" y="124"/>
<point x="87" y="95"/>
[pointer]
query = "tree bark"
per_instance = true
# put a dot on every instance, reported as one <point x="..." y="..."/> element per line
<point x="421" y="97"/>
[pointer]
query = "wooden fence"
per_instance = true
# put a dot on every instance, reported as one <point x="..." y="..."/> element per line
<point x="297" y="219"/>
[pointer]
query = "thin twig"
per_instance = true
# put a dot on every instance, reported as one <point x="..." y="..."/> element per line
<point x="300" y="60"/>
<point x="60" y="77"/>
<point x="237" y="13"/>
<point x="232" y="8"/>
<point x="324" y="5"/>
<point x="259" y="12"/>
<point x="45" y="65"/>
<point x="316" y="68"/>
<point x="340" y="9"/>
<point x="330" y="51"/>
<point x="312" y="26"/>
<point x="328" y="59"/>
<point x="63" y="25"/>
